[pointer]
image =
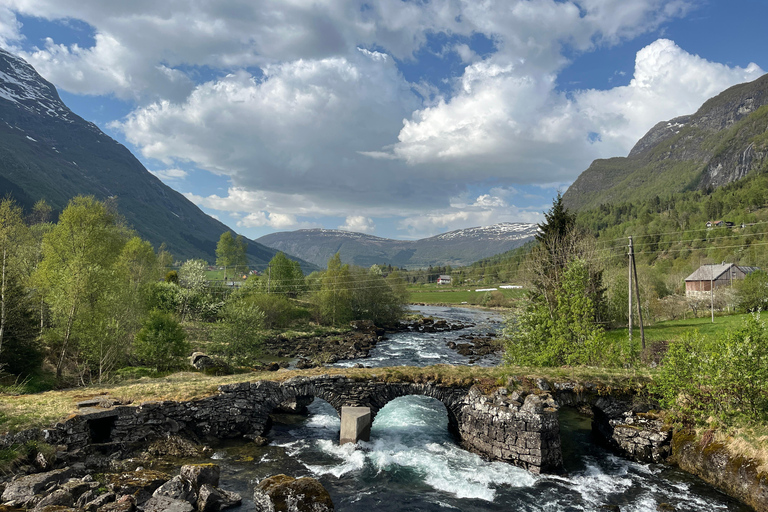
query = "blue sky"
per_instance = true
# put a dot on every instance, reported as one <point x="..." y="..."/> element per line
<point x="403" y="119"/>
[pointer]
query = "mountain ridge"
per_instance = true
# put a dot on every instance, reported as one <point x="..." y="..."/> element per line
<point x="723" y="141"/>
<point x="455" y="248"/>
<point x="49" y="152"/>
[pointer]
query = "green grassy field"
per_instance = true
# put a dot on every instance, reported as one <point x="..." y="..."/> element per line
<point x="673" y="329"/>
<point x="431" y="294"/>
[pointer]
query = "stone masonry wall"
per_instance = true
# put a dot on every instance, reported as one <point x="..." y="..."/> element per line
<point x="521" y="430"/>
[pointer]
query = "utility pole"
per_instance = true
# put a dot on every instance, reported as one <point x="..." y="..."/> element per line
<point x="712" y="291"/>
<point x="637" y="290"/>
<point x="269" y="277"/>
<point x="629" y="280"/>
<point x="633" y="275"/>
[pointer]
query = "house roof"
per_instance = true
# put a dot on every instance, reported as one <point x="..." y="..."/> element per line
<point x="709" y="272"/>
<point x="444" y="277"/>
<point x="712" y="272"/>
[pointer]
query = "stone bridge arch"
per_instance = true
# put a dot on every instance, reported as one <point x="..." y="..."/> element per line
<point x="342" y="391"/>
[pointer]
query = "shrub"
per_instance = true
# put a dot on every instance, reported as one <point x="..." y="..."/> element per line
<point x="238" y="334"/>
<point x="725" y="377"/>
<point x="161" y="342"/>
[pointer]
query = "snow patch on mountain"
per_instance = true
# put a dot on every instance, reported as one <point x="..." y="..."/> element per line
<point x="22" y="85"/>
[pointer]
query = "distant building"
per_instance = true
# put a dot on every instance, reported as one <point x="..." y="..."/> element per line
<point x="719" y="224"/>
<point x="444" y="279"/>
<point x="708" y="277"/>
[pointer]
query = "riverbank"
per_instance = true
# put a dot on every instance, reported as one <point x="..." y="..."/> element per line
<point x="38" y="410"/>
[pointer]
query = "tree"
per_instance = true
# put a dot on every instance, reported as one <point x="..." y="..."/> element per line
<point x="78" y="269"/>
<point x="569" y="336"/>
<point x="565" y="299"/>
<point x="231" y="251"/>
<point x="334" y="300"/>
<point x="238" y="333"/>
<point x="161" y="342"/>
<point x="13" y="235"/>
<point x="285" y="276"/>
<point x="752" y="292"/>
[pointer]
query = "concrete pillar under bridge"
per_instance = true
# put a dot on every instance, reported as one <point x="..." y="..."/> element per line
<point x="355" y="424"/>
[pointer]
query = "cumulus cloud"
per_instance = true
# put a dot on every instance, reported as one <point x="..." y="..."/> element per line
<point x="358" y="224"/>
<point x="300" y="127"/>
<point x="518" y="126"/>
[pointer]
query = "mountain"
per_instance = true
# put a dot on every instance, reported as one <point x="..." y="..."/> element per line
<point x="47" y="151"/>
<point x="455" y="248"/>
<point x="725" y="140"/>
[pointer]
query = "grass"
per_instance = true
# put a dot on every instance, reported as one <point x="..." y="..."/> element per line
<point x="673" y="329"/>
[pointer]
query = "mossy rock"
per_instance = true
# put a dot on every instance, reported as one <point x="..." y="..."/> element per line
<point x="288" y="494"/>
<point x="133" y="482"/>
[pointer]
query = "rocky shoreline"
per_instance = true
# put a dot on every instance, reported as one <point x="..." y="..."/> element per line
<point x="112" y="483"/>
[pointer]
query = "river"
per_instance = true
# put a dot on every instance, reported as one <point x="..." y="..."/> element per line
<point x="413" y="464"/>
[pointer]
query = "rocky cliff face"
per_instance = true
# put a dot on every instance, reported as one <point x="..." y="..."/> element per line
<point x="49" y="152"/>
<point x="724" y="141"/>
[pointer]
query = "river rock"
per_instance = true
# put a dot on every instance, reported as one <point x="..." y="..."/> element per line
<point x="213" y="499"/>
<point x="140" y="484"/>
<point x="201" y="474"/>
<point x="282" y="493"/>
<point x="99" y="502"/>
<point x="177" y="488"/>
<point x="167" y="504"/>
<point x="59" y="497"/>
<point x="21" y="490"/>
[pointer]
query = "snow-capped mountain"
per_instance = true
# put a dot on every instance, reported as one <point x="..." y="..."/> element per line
<point x="455" y="248"/>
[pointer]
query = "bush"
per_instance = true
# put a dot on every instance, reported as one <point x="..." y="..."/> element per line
<point x="277" y="310"/>
<point x="162" y="296"/>
<point x="752" y="292"/>
<point x="161" y="342"/>
<point x="726" y="377"/>
<point x="238" y="335"/>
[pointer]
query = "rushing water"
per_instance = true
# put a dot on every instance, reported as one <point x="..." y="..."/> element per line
<point x="413" y="464"/>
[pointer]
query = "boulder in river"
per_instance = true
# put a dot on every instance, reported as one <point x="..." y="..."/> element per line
<point x="282" y="493"/>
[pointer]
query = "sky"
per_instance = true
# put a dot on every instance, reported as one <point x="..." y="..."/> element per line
<point x="398" y="118"/>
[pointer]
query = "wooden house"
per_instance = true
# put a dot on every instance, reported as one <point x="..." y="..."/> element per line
<point x="708" y="277"/>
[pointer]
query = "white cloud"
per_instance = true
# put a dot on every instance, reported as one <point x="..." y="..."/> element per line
<point x="9" y="28"/>
<point x="299" y="129"/>
<point x="272" y="220"/>
<point x="358" y="224"/>
<point x="503" y="123"/>
<point x="170" y="174"/>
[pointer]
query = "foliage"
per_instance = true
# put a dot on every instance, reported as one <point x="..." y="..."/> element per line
<point x="231" y="251"/>
<point x="21" y="352"/>
<point x="726" y="376"/>
<point x="18" y="328"/>
<point x="285" y="276"/>
<point x="566" y="334"/>
<point x="192" y="275"/>
<point x="161" y="342"/>
<point x="238" y="333"/>
<point x="172" y="276"/>
<point x="78" y="271"/>
<point x="277" y="310"/>
<point x="334" y="299"/>
<point x="752" y="292"/>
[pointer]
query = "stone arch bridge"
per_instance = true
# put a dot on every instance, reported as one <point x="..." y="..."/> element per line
<point x="521" y="428"/>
